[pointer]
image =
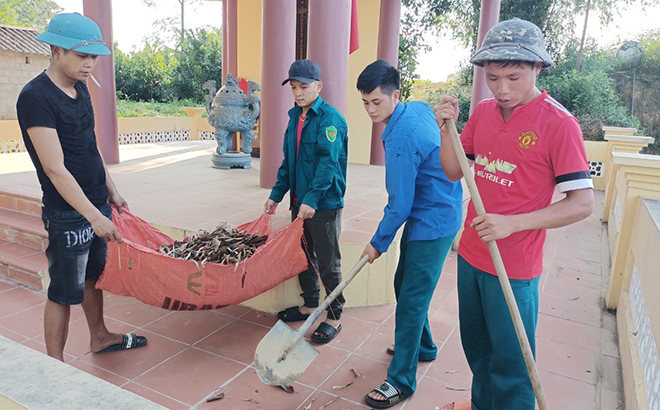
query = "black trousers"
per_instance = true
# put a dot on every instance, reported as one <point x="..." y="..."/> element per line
<point x="322" y="238"/>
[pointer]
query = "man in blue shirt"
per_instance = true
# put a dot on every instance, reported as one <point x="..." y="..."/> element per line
<point x="421" y="196"/>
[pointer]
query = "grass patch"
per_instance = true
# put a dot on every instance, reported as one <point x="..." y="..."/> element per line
<point x="128" y="108"/>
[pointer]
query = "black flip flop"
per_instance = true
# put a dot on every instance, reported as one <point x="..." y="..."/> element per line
<point x="130" y="341"/>
<point x="291" y="314"/>
<point x="328" y="330"/>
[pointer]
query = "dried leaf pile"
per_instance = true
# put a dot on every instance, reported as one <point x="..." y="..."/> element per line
<point x="224" y="245"/>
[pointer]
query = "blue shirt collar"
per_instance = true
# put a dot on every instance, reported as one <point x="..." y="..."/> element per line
<point x="393" y="119"/>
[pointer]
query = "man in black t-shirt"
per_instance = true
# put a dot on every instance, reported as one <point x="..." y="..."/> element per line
<point x="57" y="122"/>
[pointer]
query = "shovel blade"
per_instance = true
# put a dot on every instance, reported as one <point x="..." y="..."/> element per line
<point x="276" y="368"/>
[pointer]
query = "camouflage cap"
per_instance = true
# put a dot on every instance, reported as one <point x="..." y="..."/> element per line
<point x="513" y="40"/>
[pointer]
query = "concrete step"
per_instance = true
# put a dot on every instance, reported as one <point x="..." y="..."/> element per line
<point x="23" y="229"/>
<point x="23" y="240"/>
<point x="20" y="203"/>
<point x="24" y="264"/>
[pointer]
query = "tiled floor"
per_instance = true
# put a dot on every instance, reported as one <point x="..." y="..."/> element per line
<point x="194" y="355"/>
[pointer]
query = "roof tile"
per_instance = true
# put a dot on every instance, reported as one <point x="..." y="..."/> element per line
<point x="21" y="40"/>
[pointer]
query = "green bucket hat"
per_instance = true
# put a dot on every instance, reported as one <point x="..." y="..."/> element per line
<point x="73" y="31"/>
<point x="513" y="40"/>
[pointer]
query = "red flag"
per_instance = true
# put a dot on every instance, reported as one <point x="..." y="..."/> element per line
<point x="243" y="85"/>
<point x="355" y="38"/>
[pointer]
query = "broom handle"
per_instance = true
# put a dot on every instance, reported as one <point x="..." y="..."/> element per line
<point x="328" y="300"/>
<point x="499" y="267"/>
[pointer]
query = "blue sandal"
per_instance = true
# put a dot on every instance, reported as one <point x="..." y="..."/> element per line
<point x="392" y="396"/>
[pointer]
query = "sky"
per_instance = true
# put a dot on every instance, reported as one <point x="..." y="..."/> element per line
<point x="133" y="21"/>
<point x="447" y="54"/>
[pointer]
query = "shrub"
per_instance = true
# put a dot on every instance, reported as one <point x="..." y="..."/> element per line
<point x="591" y="98"/>
<point x="128" y="108"/>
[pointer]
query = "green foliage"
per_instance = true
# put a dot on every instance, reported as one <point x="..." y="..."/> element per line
<point x="591" y="98"/>
<point x="171" y="28"/>
<point x="432" y="94"/>
<point x="144" y="75"/>
<point x="159" y="73"/>
<point x="32" y="13"/>
<point x="647" y="89"/>
<point x="556" y="18"/>
<point x="407" y="66"/>
<point x="200" y="60"/>
<point x="128" y="108"/>
<point x="415" y="21"/>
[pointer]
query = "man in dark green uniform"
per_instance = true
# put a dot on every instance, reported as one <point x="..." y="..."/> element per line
<point x="314" y="172"/>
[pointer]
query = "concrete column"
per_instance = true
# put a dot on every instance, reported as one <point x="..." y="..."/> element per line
<point x="104" y="99"/>
<point x="490" y="15"/>
<point x="230" y="47"/>
<point x="329" y="35"/>
<point x="225" y="45"/>
<point x="388" y="50"/>
<point x="278" y="52"/>
<point x="638" y="176"/>
<point x="618" y="143"/>
<point x="232" y="36"/>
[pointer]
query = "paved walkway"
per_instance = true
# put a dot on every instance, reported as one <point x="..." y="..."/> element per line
<point x="194" y="355"/>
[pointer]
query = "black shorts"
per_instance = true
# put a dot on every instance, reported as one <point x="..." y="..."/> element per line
<point x="75" y="254"/>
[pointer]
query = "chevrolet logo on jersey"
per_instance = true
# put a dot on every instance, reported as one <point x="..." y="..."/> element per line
<point x="495" y="165"/>
<point x="491" y="168"/>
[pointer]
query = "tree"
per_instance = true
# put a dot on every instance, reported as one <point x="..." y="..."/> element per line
<point x="167" y="23"/>
<point x="200" y="60"/>
<point x="554" y="17"/>
<point x="159" y="73"/>
<point x="145" y="75"/>
<point x="418" y="18"/>
<point x="28" y="13"/>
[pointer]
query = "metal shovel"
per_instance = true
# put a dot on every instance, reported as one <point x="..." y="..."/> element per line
<point x="283" y="355"/>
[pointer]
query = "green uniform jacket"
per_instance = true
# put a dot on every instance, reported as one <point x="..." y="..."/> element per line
<point x="318" y="173"/>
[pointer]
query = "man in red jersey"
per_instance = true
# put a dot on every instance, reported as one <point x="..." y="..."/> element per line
<point x="524" y="145"/>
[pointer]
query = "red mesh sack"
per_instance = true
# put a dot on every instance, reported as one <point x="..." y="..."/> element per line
<point x="136" y="268"/>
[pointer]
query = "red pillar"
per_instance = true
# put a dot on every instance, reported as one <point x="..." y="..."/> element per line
<point x="490" y="15"/>
<point x="388" y="50"/>
<point x="230" y="47"/>
<point x="225" y="44"/>
<point x="104" y="99"/>
<point x="229" y="38"/>
<point x="329" y="38"/>
<point x="279" y="51"/>
<point x="232" y="34"/>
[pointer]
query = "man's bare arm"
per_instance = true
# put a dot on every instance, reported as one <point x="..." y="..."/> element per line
<point x="49" y="151"/>
<point x="448" y="109"/>
<point x="577" y="205"/>
<point x="114" y="198"/>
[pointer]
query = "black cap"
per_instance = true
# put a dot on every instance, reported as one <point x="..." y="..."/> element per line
<point x="305" y="71"/>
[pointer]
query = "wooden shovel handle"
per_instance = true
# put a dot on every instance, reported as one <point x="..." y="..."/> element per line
<point x="328" y="300"/>
<point x="499" y="267"/>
